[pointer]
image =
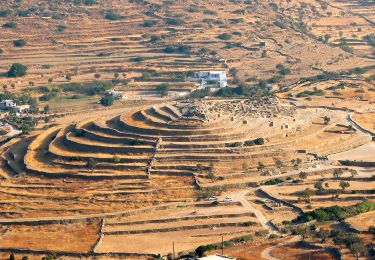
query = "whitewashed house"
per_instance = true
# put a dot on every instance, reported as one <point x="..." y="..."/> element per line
<point x="7" y="103"/>
<point x="212" y="78"/>
<point x="117" y="94"/>
<point x="23" y="108"/>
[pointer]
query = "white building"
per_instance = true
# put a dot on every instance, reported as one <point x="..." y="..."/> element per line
<point x="117" y="94"/>
<point x="216" y="257"/>
<point x="208" y="78"/>
<point x="23" y="108"/>
<point x="8" y="103"/>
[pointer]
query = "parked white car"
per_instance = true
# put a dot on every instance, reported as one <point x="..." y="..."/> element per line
<point x="213" y="198"/>
<point x="228" y="199"/>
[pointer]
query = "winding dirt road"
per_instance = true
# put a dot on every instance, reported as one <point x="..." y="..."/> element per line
<point x="266" y="253"/>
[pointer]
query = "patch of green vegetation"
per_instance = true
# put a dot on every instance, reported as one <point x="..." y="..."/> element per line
<point x="10" y="25"/>
<point x="19" y="43"/>
<point x="115" y="39"/>
<point x="178" y="49"/>
<point x="308" y="93"/>
<point x="163" y="89"/>
<point x="112" y="15"/>
<point x="150" y="23"/>
<point x="174" y="21"/>
<point x="4" y="13"/>
<point x="224" y="36"/>
<point x="85" y="88"/>
<point x="17" y="70"/>
<point x="257" y="141"/>
<point x="337" y="213"/>
<point x="106" y="101"/>
<point x="272" y="182"/>
<point x="61" y="28"/>
<point x="243" y="90"/>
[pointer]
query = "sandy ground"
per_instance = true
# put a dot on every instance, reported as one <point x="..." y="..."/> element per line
<point x="363" y="221"/>
<point x="79" y="237"/>
<point x="162" y="242"/>
<point x="363" y="153"/>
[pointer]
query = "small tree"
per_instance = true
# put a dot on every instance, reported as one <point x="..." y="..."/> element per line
<point x="19" y="43"/>
<point x="25" y="258"/>
<point x="116" y="159"/>
<point x="68" y="77"/>
<point x="318" y="185"/>
<point x="358" y="249"/>
<point x="116" y="75"/>
<point x="46" y="109"/>
<point x="279" y="164"/>
<point x="211" y="174"/>
<point x="306" y="195"/>
<point x="327" y="120"/>
<point x="163" y="89"/>
<point x="11" y="257"/>
<point x="302" y="175"/>
<point x="91" y="164"/>
<point x="97" y="75"/>
<point x="337" y="173"/>
<point x="344" y="185"/>
<point x="17" y="70"/>
<point x="323" y="234"/>
<point x="296" y="163"/>
<point x="303" y="231"/>
<point x="106" y="101"/>
<point x="261" y="166"/>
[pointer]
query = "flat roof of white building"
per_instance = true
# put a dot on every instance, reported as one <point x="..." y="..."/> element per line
<point x="217" y="257"/>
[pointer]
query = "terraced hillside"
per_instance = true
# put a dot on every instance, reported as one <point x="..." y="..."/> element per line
<point x="153" y="154"/>
<point x="149" y="172"/>
<point x="154" y="42"/>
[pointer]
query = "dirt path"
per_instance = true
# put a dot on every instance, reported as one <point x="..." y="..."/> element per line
<point x="240" y="196"/>
<point x="266" y="253"/>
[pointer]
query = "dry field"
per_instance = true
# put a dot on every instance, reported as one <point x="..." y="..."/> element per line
<point x="134" y="179"/>
<point x="77" y="40"/>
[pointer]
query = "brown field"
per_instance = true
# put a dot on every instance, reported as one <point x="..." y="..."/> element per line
<point x="132" y="179"/>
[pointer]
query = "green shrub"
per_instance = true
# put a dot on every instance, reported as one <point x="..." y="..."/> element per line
<point x="112" y="15"/>
<point x="4" y="13"/>
<point x="88" y="88"/>
<point x="19" y="43"/>
<point x="178" y="49"/>
<point x="149" y="23"/>
<point x="115" y="39"/>
<point x="225" y="36"/>
<point x="106" y="101"/>
<point x="307" y="93"/>
<point x="174" y="21"/>
<point x="89" y="2"/>
<point x="273" y="182"/>
<point x="61" y="28"/>
<point x="258" y="141"/>
<point x="17" y="70"/>
<point x="10" y="25"/>
<point x="163" y="89"/>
